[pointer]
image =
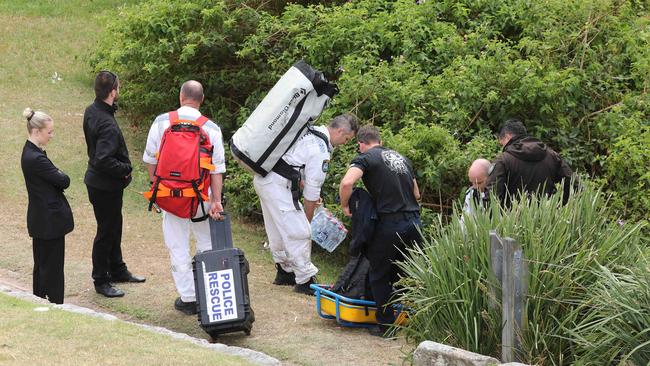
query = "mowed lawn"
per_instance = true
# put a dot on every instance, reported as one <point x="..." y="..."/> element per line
<point x="33" y="335"/>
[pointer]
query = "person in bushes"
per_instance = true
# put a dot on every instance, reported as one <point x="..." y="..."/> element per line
<point x="49" y="217"/>
<point x="108" y="174"/>
<point x="176" y="230"/>
<point x="286" y="221"/>
<point x="527" y="166"/>
<point x="390" y="180"/>
<point x="477" y="193"/>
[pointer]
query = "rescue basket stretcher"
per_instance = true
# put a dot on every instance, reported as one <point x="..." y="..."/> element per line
<point x="349" y="312"/>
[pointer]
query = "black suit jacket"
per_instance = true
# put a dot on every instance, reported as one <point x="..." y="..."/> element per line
<point x="109" y="167"/>
<point x="48" y="213"/>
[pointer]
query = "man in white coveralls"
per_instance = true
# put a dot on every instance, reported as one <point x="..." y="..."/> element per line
<point x="287" y="222"/>
<point x="176" y="230"/>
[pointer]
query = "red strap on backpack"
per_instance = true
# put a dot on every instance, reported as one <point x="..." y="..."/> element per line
<point x="173" y="119"/>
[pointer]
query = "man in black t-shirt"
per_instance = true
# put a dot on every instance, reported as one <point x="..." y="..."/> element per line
<point x="390" y="180"/>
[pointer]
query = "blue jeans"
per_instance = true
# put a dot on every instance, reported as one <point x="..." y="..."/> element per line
<point x="389" y="241"/>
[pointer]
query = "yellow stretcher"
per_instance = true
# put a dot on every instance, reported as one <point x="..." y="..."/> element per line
<point x="349" y="312"/>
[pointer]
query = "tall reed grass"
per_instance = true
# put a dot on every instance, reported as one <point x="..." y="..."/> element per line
<point x="569" y="249"/>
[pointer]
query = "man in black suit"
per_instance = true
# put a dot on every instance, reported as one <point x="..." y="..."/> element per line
<point x="49" y="216"/>
<point x="108" y="173"/>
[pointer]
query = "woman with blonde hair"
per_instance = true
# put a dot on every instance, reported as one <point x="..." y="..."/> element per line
<point x="49" y="216"/>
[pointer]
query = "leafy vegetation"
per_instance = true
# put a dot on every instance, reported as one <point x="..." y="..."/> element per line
<point x="438" y="78"/>
<point x="576" y="72"/>
<point x="579" y="301"/>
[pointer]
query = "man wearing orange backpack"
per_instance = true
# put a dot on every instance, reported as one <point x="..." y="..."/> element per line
<point x="185" y="159"/>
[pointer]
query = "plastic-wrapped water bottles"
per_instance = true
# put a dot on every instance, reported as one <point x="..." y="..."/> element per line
<point x="326" y="230"/>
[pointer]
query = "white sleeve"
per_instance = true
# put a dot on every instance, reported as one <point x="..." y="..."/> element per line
<point x="153" y="143"/>
<point x="315" y="173"/>
<point x="218" y="154"/>
<point x="467" y="207"/>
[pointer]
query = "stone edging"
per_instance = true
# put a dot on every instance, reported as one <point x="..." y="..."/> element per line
<point x="431" y="353"/>
<point x="255" y="357"/>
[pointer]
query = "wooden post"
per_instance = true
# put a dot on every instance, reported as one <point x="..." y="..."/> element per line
<point x="508" y="303"/>
<point x="496" y="264"/>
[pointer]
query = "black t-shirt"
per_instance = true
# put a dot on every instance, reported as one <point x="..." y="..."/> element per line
<point x="388" y="176"/>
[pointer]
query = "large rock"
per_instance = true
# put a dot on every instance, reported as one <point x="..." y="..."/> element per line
<point x="435" y="354"/>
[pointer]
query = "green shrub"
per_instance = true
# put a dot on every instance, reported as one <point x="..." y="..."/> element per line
<point x="569" y="69"/>
<point x="449" y="277"/>
<point x="625" y="168"/>
<point x="157" y="45"/>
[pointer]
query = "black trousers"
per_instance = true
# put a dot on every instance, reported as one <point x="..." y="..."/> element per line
<point x="389" y="241"/>
<point x="48" y="279"/>
<point x="107" y="246"/>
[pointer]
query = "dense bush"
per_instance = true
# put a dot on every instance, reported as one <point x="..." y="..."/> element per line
<point x="158" y="44"/>
<point x="572" y="251"/>
<point x="576" y="72"/>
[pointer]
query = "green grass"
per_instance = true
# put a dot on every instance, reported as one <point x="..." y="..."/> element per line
<point x="65" y="338"/>
<point x="60" y="8"/>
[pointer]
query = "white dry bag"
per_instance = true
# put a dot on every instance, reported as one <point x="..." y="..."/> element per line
<point x="294" y="102"/>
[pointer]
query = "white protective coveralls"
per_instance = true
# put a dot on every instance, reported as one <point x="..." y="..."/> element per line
<point x="287" y="228"/>
<point x="176" y="230"/>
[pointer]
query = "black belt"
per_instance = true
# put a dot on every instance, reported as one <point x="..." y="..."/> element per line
<point x="397" y="216"/>
<point x="289" y="172"/>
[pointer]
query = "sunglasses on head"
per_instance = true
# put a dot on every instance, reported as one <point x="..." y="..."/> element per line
<point x="114" y="76"/>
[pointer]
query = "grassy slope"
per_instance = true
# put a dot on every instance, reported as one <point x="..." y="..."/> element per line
<point x="75" y="339"/>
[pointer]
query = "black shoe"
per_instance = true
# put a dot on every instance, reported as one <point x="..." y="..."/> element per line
<point x="127" y="277"/>
<point x="109" y="291"/>
<point x="284" y="278"/>
<point x="188" y="308"/>
<point x="304" y="288"/>
<point x="379" y="330"/>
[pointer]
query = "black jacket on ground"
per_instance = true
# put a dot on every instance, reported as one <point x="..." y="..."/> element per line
<point x="109" y="167"/>
<point x="528" y="165"/>
<point x="364" y="219"/>
<point x="48" y="213"/>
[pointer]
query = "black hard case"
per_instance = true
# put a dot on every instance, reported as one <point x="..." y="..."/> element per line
<point x="222" y="257"/>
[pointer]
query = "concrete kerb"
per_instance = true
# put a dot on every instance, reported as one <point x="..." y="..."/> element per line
<point x="436" y="354"/>
<point x="255" y="357"/>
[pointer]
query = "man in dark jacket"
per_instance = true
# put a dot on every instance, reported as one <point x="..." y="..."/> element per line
<point x="526" y="165"/>
<point x="108" y="173"/>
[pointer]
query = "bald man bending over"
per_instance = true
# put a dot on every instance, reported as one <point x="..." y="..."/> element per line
<point x="478" y="174"/>
<point x="176" y="230"/>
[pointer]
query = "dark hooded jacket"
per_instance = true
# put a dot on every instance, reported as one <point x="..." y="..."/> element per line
<point x="364" y="219"/>
<point x="528" y="165"/>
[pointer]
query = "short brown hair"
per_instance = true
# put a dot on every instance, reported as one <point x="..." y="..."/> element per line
<point x="368" y="134"/>
<point x="105" y="82"/>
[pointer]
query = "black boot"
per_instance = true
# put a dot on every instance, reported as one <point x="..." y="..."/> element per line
<point x="188" y="308"/>
<point x="304" y="288"/>
<point x="284" y="278"/>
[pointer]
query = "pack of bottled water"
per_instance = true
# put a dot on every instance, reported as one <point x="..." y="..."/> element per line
<point x="326" y="230"/>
